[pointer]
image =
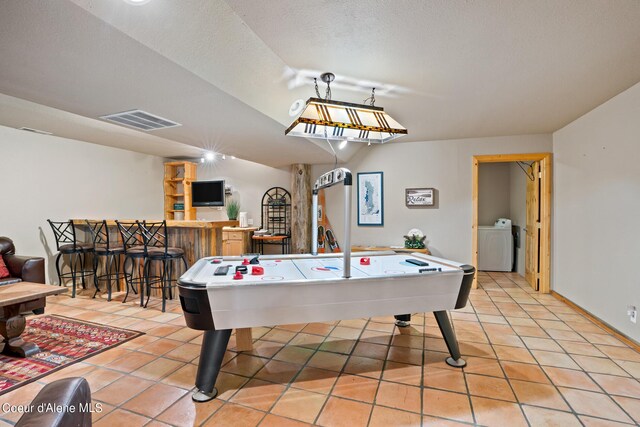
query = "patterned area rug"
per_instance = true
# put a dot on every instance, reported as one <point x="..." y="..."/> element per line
<point x="63" y="341"/>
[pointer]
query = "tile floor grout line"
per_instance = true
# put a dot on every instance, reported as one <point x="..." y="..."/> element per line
<point x="581" y="370"/>
<point x="556" y="388"/>
<point x="464" y="376"/>
<point x="288" y="386"/>
<point x="587" y="373"/>
<point x="606" y="393"/>
<point x="375" y="395"/>
<point x="503" y="371"/>
<point x="545" y="372"/>
<point x="315" y="421"/>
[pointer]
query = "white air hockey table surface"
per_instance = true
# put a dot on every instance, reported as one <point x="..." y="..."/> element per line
<point x="307" y="288"/>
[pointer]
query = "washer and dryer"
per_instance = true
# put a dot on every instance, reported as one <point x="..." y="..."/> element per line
<point x="495" y="246"/>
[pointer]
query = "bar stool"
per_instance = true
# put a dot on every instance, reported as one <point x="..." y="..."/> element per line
<point x="157" y="248"/>
<point x="104" y="247"/>
<point x="135" y="253"/>
<point x="66" y="244"/>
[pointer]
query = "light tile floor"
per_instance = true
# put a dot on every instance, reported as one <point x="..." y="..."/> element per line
<point x="532" y="360"/>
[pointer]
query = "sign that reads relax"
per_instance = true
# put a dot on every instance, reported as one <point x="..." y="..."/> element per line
<point x="419" y="197"/>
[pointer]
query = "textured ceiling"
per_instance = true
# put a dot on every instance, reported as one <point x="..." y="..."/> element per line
<point x="223" y="69"/>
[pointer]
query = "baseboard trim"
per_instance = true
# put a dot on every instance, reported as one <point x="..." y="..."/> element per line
<point x="622" y="337"/>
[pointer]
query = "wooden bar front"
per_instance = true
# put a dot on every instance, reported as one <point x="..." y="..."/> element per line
<point x="199" y="239"/>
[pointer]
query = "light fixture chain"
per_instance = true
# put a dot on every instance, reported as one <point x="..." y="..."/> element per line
<point x="315" y="82"/>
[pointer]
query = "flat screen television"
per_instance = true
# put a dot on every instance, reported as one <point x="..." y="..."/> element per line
<point x="208" y="193"/>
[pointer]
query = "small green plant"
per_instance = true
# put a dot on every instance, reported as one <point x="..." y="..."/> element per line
<point x="233" y="208"/>
<point x="414" y="241"/>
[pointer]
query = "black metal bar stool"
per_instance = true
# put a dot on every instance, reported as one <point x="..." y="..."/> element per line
<point x="110" y="251"/>
<point x="157" y="248"/>
<point x="66" y="244"/>
<point x="135" y="253"/>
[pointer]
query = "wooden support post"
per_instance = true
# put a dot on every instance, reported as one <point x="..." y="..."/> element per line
<point x="244" y="339"/>
<point x="301" y="212"/>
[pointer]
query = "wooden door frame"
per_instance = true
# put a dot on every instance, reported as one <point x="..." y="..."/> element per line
<point x="545" y="208"/>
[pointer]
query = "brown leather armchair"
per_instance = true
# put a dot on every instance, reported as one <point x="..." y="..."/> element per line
<point x="21" y="268"/>
<point x="62" y="403"/>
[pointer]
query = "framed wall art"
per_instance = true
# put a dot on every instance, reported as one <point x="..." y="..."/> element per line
<point x="419" y="197"/>
<point x="370" y="198"/>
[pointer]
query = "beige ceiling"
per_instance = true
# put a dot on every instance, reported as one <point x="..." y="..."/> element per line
<point x="223" y="68"/>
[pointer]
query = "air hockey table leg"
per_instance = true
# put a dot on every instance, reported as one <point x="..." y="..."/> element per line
<point x="214" y="344"/>
<point x="403" y="320"/>
<point x="450" y="339"/>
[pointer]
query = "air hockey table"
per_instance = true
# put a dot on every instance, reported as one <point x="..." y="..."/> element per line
<point x="313" y="288"/>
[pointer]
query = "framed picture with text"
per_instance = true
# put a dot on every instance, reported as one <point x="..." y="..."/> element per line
<point x="417" y="197"/>
<point x="370" y="199"/>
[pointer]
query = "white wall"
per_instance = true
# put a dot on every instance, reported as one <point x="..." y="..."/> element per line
<point x="249" y="181"/>
<point x="47" y="177"/>
<point x="444" y="165"/>
<point x="493" y="192"/>
<point x="518" y="209"/>
<point x="596" y="209"/>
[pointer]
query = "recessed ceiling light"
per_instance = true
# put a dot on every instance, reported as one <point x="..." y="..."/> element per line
<point x="137" y="2"/>
<point x="209" y="156"/>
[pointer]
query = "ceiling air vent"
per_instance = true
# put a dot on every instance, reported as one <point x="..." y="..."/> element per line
<point x="140" y="120"/>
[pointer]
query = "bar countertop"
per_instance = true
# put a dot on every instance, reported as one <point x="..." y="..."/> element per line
<point x="232" y="228"/>
<point x="179" y="224"/>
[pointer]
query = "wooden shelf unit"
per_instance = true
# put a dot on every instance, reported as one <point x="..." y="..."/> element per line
<point x="178" y="177"/>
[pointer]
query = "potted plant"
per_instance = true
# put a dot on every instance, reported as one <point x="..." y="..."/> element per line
<point x="414" y="241"/>
<point x="233" y="208"/>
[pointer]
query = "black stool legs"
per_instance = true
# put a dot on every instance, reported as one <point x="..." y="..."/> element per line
<point x="76" y="267"/>
<point x="129" y="278"/>
<point x="165" y="280"/>
<point x="111" y="260"/>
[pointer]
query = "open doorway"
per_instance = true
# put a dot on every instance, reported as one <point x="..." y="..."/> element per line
<point x="535" y="229"/>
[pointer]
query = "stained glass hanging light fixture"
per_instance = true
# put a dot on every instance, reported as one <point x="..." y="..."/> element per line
<point x="344" y="121"/>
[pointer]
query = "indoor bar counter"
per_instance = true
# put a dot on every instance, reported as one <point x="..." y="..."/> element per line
<point x="197" y="238"/>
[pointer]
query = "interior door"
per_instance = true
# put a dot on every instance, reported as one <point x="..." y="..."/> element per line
<point x="532" y="245"/>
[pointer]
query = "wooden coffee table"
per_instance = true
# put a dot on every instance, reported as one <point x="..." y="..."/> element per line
<point x="16" y="299"/>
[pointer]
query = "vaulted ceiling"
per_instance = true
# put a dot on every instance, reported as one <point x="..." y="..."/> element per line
<point x="229" y="70"/>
